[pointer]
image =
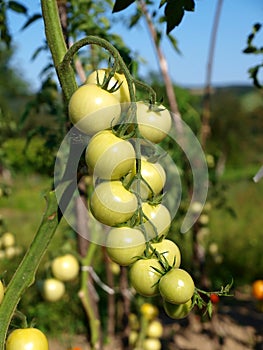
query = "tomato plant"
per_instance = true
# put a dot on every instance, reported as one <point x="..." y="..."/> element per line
<point x="257" y="289"/>
<point x="125" y="245"/>
<point x="92" y="109"/>
<point x="27" y="339"/>
<point x="112" y="204"/>
<point x="65" y="267"/>
<point x="154" y="121"/>
<point x="118" y="80"/>
<point x="109" y="156"/>
<point x="144" y="278"/>
<point x="53" y="289"/>
<point x="177" y="311"/>
<point x="177" y="286"/>
<point x="169" y="250"/>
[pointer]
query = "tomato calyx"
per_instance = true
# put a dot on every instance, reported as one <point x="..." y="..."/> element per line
<point x="106" y="80"/>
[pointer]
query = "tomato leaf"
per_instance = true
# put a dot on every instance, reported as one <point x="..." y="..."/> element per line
<point x="189" y="5"/>
<point x="174" y="43"/>
<point x="174" y="13"/>
<point x="121" y="5"/>
<point x="31" y="20"/>
<point x="17" y="7"/>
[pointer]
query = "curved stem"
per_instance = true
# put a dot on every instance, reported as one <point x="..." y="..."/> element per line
<point x="25" y="273"/>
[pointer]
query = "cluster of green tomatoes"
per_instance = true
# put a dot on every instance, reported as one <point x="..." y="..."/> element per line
<point x="128" y="187"/>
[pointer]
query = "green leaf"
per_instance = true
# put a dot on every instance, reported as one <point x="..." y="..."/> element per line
<point x="189" y="5"/>
<point x="174" y="14"/>
<point x="162" y="3"/>
<point x="121" y="5"/>
<point x="17" y="7"/>
<point x="174" y="43"/>
<point x="31" y="19"/>
<point x="134" y="19"/>
<point x="253" y="73"/>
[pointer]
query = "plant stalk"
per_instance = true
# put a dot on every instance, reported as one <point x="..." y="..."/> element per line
<point x="24" y="276"/>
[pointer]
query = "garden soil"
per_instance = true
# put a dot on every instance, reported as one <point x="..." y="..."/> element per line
<point x="235" y="325"/>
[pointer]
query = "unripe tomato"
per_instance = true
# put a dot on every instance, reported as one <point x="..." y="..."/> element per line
<point x="134" y="322"/>
<point x="149" y="311"/>
<point x="152" y="344"/>
<point x="8" y="239"/>
<point x="92" y="109"/>
<point x="257" y="289"/>
<point x="65" y="268"/>
<point x="155" y="329"/>
<point x="159" y="216"/>
<point x="122" y="93"/>
<point x="109" y="156"/>
<point x="144" y="278"/>
<point x="133" y="336"/>
<point x="176" y="286"/>
<point x="112" y="204"/>
<point x="153" y="174"/>
<point x="153" y="125"/>
<point x="53" y="289"/>
<point x="177" y="311"/>
<point x="169" y="250"/>
<point x="27" y="339"/>
<point x="2" y="291"/>
<point x="125" y="245"/>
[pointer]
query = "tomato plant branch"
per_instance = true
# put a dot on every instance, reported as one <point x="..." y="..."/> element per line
<point x="25" y="273"/>
<point x="85" y="298"/>
<point x="57" y="46"/>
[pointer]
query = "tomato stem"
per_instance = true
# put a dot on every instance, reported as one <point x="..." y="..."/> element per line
<point x="25" y="273"/>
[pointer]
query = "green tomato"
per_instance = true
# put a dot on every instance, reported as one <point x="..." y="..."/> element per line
<point x="152" y="344"/>
<point x="2" y="291"/>
<point x="169" y="250"/>
<point x="149" y="311"/>
<point x="144" y="278"/>
<point x="8" y="239"/>
<point x="159" y="216"/>
<point x="155" y="329"/>
<point x="65" y="268"/>
<point x="112" y="204"/>
<point x="27" y="339"/>
<point x="177" y="286"/>
<point x="177" y="311"/>
<point x="153" y="125"/>
<point x="153" y="174"/>
<point x="53" y="289"/>
<point x="122" y="93"/>
<point x="109" y="156"/>
<point x="125" y="245"/>
<point x="92" y="109"/>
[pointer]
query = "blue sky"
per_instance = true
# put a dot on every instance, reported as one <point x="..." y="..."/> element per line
<point x="193" y="36"/>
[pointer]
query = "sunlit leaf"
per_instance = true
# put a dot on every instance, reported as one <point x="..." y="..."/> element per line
<point x="121" y="5"/>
